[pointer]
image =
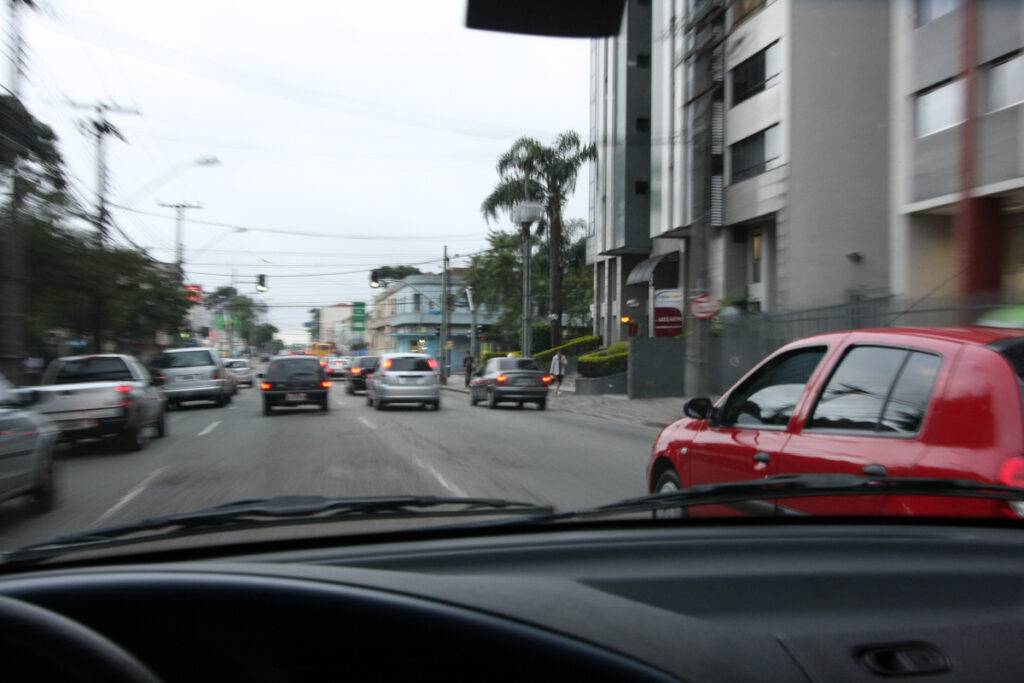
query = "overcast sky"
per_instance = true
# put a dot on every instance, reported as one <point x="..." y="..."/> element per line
<point x="374" y="123"/>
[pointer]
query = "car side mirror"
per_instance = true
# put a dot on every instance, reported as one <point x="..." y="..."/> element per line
<point x="156" y="380"/>
<point x="699" y="408"/>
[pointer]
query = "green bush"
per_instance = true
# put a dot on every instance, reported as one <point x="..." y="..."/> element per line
<point x="487" y="355"/>
<point x="572" y="349"/>
<point x="609" y="361"/>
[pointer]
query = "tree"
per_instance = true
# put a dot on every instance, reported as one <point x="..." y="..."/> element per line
<point x="550" y="173"/>
<point x="396" y="272"/>
<point x="263" y="334"/>
<point x="314" y="330"/>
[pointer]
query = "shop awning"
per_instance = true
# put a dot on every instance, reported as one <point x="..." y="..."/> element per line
<point x="644" y="271"/>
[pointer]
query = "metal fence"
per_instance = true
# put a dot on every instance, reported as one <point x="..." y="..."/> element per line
<point x="742" y="340"/>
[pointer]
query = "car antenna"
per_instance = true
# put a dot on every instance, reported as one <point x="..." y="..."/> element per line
<point x="934" y="289"/>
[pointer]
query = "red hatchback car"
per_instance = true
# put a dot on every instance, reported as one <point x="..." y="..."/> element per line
<point x="911" y="402"/>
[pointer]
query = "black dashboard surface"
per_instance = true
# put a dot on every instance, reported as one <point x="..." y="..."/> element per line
<point x="786" y="602"/>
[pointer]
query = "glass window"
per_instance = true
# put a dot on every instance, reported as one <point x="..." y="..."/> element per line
<point x="287" y="368"/>
<point x="99" y="369"/>
<point x="756" y="154"/>
<point x="929" y="10"/>
<point x="1006" y="83"/>
<point x="410" y="365"/>
<point x="756" y="74"/>
<point x="744" y="9"/>
<point x="939" y="108"/>
<point x="518" y="364"/>
<point x="186" y="359"/>
<point x="909" y="400"/>
<point x="770" y="396"/>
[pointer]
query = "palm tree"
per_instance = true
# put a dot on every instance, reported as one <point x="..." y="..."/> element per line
<point x="530" y="170"/>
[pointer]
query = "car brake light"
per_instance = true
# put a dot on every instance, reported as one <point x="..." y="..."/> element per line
<point x="1011" y="473"/>
<point x="386" y="364"/>
<point x="547" y="379"/>
<point x="264" y="386"/>
<point x="356" y="371"/>
<point x="122" y="388"/>
<point x="432" y="363"/>
<point x="323" y="364"/>
<point x="325" y="384"/>
<point x="216" y="374"/>
<point x="501" y="379"/>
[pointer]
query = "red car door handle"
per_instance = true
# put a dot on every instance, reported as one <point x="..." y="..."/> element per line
<point x="762" y="457"/>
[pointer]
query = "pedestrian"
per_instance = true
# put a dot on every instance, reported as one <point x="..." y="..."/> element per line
<point x="559" y="365"/>
<point x="467" y="366"/>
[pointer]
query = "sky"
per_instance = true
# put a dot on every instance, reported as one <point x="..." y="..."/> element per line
<point x="348" y="134"/>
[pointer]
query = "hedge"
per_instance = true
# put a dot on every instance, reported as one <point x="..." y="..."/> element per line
<point x="487" y="355"/>
<point x="610" y="361"/>
<point x="572" y="348"/>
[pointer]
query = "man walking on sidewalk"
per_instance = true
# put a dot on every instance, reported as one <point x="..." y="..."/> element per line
<point x="559" y="367"/>
<point x="467" y="366"/>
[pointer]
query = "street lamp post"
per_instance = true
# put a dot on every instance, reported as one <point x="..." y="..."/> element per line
<point x="526" y="213"/>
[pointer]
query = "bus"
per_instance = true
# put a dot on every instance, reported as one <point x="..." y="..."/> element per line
<point x="321" y="349"/>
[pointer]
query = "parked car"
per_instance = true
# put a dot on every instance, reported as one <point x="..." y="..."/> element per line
<point x="404" y="378"/>
<point x="103" y="395"/>
<point x="510" y="380"/>
<point x="294" y="381"/>
<point x="27" y="448"/>
<point x="239" y="368"/>
<point x="337" y="367"/>
<point x="192" y="374"/>
<point x="356" y="374"/>
<point x="880" y="403"/>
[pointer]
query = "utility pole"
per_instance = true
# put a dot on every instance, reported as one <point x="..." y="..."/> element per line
<point x="179" y="234"/>
<point x="12" y="291"/>
<point x="443" y="360"/>
<point x="473" y="344"/>
<point x="99" y="127"/>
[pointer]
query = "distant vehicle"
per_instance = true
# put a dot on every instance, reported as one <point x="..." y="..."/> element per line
<point x="404" y="378"/>
<point x="510" y="380"/>
<point x="336" y="368"/>
<point x="294" y="382"/>
<point x="195" y="374"/>
<point x="102" y="395"/>
<point x="27" y="442"/>
<point x="321" y="349"/>
<point x="240" y="369"/>
<point x="356" y="375"/>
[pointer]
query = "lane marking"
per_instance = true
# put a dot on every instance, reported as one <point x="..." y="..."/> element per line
<point x="128" y="497"/>
<point x="339" y="402"/>
<point x="209" y="428"/>
<point x="367" y="422"/>
<point x="441" y="479"/>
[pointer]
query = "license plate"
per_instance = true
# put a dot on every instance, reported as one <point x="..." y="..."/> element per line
<point x="295" y="397"/>
<point x="525" y="383"/>
<point x="188" y="377"/>
<point x="78" y="424"/>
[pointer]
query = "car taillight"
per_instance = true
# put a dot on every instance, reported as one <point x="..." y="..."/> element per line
<point x="323" y="364"/>
<point x="356" y="371"/>
<point x="216" y="374"/>
<point x="501" y="379"/>
<point x="122" y="388"/>
<point x="325" y="384"/>
<point x="1011" y="473"/>
<point x="547" y="379"/>
<point x="386" y="364"/>
<point x="432" y="363"/>
<point x="265" y="386"/>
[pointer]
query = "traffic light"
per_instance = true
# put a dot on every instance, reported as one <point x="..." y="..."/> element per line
<point x="261" y="283"/>
<point x="375" y="278"/>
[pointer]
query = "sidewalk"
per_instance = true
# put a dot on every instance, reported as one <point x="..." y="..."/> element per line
<point x="648" y="412"/>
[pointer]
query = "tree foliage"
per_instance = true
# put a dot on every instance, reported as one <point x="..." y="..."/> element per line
<point x="396" y="272"/>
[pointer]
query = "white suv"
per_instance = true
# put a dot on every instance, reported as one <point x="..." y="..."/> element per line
<point x="404" y="378"/>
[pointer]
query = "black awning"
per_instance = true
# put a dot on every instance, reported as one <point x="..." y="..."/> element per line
<point x="644" y="271"/>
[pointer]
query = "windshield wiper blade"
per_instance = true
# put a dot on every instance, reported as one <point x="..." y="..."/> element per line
<point x="272" y="512"/>
<point x="785" y="486"/>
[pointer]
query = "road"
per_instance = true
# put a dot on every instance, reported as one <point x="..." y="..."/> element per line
<point x="214" y="455"/>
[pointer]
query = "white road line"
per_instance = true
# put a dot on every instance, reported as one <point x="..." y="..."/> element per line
<point x="367" y="422"/>
<point x="437" y="475"/>
<point x="341" y="404"/>
<point x="209" y="428"/>
<point x="128" y="497"/>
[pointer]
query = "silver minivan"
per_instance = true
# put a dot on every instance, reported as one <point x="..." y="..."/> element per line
<point x="404" y="378"/>
<point x="194" y="374"/>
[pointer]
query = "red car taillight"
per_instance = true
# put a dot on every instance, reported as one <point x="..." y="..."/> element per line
<point x="501" y="379"/>
<point x="547" y="379"/>
<point x="124" y="389"/>
<point x="356" y="371"/>
<point x="386" y="364"/>
<point x="432" y="363"/>
<point x="325" y="384"/>
<point x="265" y="386"/>
<point x="323" y="364"/>
<point x="1011" y="473"/>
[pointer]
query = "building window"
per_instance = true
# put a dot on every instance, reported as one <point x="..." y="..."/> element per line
<point x="929" y="10"/>
<point x="643" y="60"/>
<point x="1006" y="83"/>
<point x="757" y="73"/>
<point x="758" y="153"/>
<point x="642" y="187"/>
<point x="643" y="124"/>
<point x="744" y="9"/>
<point x="416" y="302"/>
<point x="939" y="108"/>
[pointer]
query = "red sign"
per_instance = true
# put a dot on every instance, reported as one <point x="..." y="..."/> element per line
<point x="703" y="307"/>
<point x="194" y="292"/>
<point x="668" y="313"/>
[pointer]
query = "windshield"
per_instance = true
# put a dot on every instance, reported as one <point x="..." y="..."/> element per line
<point x="735" y="240"/>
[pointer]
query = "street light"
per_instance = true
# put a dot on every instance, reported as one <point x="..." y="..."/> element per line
<point x="168" y="174"/>
<point x="526" y="213"/>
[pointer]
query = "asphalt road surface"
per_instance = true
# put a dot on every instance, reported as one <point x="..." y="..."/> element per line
<point x="214" y="455"/>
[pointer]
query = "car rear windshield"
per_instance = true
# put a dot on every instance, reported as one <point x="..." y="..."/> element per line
<point x="88" y="370"/>
<point x="293" y="367"/>
<point x="410" y="365"/>
<point x="367" y="361"/>
<point x="186" y="359"/>
<point x="236" y="364"/>
<point x="518" y="364"/>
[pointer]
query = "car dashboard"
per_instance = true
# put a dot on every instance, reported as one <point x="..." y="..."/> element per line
<point x="797" y="601"/>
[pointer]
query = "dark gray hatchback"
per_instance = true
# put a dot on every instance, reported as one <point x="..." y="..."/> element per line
<point x="293" y="382"/>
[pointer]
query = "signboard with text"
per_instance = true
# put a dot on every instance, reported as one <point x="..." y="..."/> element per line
<point x="668" y="313"/>
<point x="358" y="316"/>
